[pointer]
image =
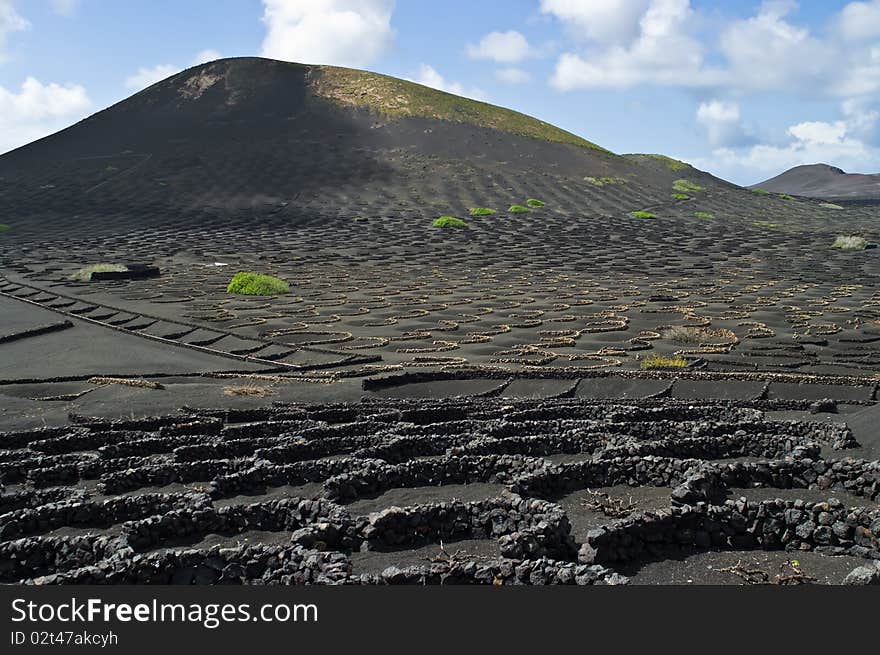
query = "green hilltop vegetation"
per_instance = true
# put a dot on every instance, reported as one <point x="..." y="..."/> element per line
<point x="669" y="162"/>
<point x="398" y="98"/>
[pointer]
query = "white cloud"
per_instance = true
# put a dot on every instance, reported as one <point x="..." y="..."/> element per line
<point x="65" y="7"/>
<point x="604" y="21"/>
<point x="10" y="21"/>
<point x="663" y="53"/>
<point x="765" y="53"/>
<point x="513" y="75"/>
<point x="504" y="47"/>
<point x="861" y="75"/>
<point x="148" y="76"/>
<point x="838" y="143"/>
<point x="861" y="118"/>
<point x="38" y="110"/>
<point x="721" y="120"/>
<point x="819" y="132"/>
<point x="428" y="76"/>
<point x="859" y="21"/>
<point x="768" y="53"/>
<point x="205" y="56"/>
<point x="350" y="33"/>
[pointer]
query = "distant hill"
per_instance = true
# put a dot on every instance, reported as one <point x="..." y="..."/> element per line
<point x="824" y="182"/>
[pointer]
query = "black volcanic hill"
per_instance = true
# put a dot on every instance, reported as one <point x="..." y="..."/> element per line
<point x="825" y="182"/>
<point x="239" y="138"/>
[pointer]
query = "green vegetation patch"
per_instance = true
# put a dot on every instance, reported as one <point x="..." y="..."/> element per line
<point x="518" y="209"/>
<point x="785" y="196"/>
<point x="767" y="224"/>
<point x="534" y="202"/>
<point x="686" y="186"/>
<point x="663" y="362"/>
<point x="481" y="211"/>
<point x="604" y="181"/>
<point x="761" y="192"/>
<point x="449" y="221"/>
<point x="831" y="205"/>
<point x="256" y="284"/>
<point x="669" y="162"/>
<point x="396" y="98"/>
<point x="642" y="214"/>
<point x="85" y="274"/>
<point x="704" y="215"/>
<point x="681" y="196"/>
<point x="850" y="243"/>
<point x="4" y="227"/>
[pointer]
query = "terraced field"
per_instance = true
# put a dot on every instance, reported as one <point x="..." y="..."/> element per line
<point x="568" y="393"/>
<point x="482" y="491"/>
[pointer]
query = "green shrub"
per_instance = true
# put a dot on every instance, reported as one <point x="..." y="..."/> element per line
<point x="518" y="209"/>
<point x="704" y="215"/>
<point x="761" y="192"/>
<point x="534" y="202"/>
<point x="604" y="181"/>
<point x="661" y="362"/>
<point x="255" y="284"/>
<point x="481" y="211"/>
<point x="681" y="196"/>
<point x="449" y="221"/>
<point x="85" y="274"/>
<point x="850" y="243"/>
<point x="642" y="214"/>
<point x="686" y="186"/>
<point x="785" y="196"/>
<point x="3" y="227"/>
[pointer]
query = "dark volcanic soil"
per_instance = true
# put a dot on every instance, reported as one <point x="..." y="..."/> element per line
<point x="239" y="166"/>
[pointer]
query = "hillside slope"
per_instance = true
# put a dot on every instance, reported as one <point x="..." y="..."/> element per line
<point x="236" y="139"/>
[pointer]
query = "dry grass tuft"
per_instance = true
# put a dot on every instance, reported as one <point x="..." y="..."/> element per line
<point x="687" y="335"/>
<point x="252" y="390"/>
<point x="850" y="243"/>
<point x="127" y="382"/>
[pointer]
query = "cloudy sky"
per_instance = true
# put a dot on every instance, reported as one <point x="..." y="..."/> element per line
<point x="741" y="88"/>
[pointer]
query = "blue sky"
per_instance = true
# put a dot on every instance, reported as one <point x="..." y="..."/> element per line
<point x="742" y="89"/>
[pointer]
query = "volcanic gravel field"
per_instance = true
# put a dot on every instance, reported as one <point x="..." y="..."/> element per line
<point x="427" y="405"/>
